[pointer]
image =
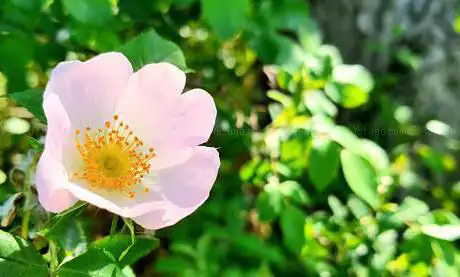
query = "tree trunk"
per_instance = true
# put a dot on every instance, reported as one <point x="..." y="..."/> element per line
<point x="377" y="33"/>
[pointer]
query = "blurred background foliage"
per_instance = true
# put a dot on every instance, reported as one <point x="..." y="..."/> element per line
<point x="325" y="172"/>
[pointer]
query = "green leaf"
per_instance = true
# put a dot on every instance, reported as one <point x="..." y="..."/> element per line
<point x="29" y="5"/>
<point x="62" y="219"/>
<point x="294" y="192"/>
<point x="96" y="39"/>
<point x="67" y="230"/>
<point x="14" y="67"/>
<point x="35" y="143"/>
<point x="70" y="236"/>
<point x="357" y="207"/>
<point x="269" y="203"/>
<point x="172" y="265"/>
<point x="324" y="162"/>
<point x="356" y="75"/>
<point x="184" y="3"/>
<point x="346" y="138"/>
<point x="93" y="263"/>
<point x="318" y="103"/>
<point x="19" y="258"/>
<point x="294" y="152"/>
<point x="410" y="210"/>
<point x="346" y="95"/>
<point x="280" y="97"/>
<point x="338" y="209"/>
<point x="128" y="272"/>
<point x="252" y="246"/>
<point x="226" y="18"/>
<point x="150" y="47"/>
<point x="91" y="12"/>
<point x="375" y="154"/>
<point x="117" y="244"/>
<point x="310" y="36"/>
<point x="447" y="263"/>
<point x="351" y="85"/>
<point x="448" y="232"/>
<point x="274" y="48"/>
<point x="32" y="100"/>
<point x="290" y="14"/>
<point x="360" y="176"/>
<point x="292" y="227"/>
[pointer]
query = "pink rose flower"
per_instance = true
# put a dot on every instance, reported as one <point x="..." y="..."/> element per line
<point x="126" y="142"/>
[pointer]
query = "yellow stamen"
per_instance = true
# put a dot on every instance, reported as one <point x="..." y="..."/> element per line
<point x="112" y="160"/>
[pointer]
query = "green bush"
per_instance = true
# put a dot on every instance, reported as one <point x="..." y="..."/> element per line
<point x="323" y="172"/>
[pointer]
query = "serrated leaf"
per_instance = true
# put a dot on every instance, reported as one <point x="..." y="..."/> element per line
<point x="93" y="263"/>
<point x="19" y="258"/>
<point x="360" y="176"/>
<point x="67" y="230"/>
<point x="117" y="244"/>
<point x="150" y="47"/>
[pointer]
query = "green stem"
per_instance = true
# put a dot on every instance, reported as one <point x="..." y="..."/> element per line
<point x="113" y="227"/>
<point x="53" y="258"/>
<point x="25" y="225"/>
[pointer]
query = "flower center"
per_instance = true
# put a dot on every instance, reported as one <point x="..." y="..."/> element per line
<point x="113" y="158"/>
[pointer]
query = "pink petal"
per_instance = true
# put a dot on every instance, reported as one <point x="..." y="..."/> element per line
<point x="164" y="119"/>
<point x="58" y="128"/>
<point x="89" y="91"/>
<point x="116" y="203"/>
<point x="60" y="70"/>
<point x="197" y="118"/>
<point x="51" y="182"/>
<point x="185" y="187"/>
<point x="51" y="176"/>
<point x="157" y="82"/>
